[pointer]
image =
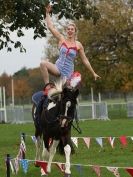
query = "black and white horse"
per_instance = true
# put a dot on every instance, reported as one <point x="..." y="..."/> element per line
<point x="54" y="123"/>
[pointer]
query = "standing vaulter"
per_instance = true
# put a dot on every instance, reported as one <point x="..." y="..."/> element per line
<point x="68" y="49"/>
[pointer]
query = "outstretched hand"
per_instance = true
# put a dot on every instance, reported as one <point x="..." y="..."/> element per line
<point x="48" y="8"/>
<point x="96" y="76"/>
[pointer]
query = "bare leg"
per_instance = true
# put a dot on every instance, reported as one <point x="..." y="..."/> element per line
<point x="47" y="67"/>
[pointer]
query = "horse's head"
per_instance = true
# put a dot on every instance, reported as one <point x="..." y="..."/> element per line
<point x="65" y="99"/>
<point x="69" y="101"/>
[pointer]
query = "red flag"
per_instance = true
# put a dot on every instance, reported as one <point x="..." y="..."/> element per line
<point x="61" y="166"/>
<point x="123" y="140"/>
<point x="43" y="165"/>
<point x="130" y="171"/>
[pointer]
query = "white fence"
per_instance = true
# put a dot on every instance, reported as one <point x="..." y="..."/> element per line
<point x="3" y="115"/>
<point x="104" y="111"/>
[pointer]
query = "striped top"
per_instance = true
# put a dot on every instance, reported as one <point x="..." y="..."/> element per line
<point x="65" y="62"/>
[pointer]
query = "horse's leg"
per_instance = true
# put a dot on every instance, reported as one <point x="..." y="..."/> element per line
<point x="45" y="153"/>
<point x="67" y="150"/>
<point x="38" y="148"/>
<point x="52" y="152"/>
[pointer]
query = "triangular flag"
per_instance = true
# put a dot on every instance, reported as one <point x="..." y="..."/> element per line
<point x="12" y="167"/>
<point x="33" y="139"/>
<point x="130" y="171"/>
<point x="123" y="140"/>
<point x="87" y="141"/>
<point x="97" y="170"/>
<point x="79" y="169"/>
<point x="132" y="138"/>
<point x="100" y="141"/>
<point x="43" y="166"/>
<point x="114" y="170"/>
<point x="23" y="146"/>
<point x="75" y="141"/>
<point x="16" y="164"/>
<point x="25" y="164"/>
<point x="61" y="166"/>
<point x="111" y="140"/>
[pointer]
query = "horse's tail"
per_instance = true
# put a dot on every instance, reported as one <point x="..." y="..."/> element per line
<point x="61" y="146"/>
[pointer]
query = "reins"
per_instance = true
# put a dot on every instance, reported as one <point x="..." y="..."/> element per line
<point x="77" y="128"/>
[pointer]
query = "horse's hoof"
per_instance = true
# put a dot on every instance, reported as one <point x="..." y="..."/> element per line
<point x="67" y="175"/>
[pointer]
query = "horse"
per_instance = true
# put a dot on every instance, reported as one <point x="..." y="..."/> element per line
<point x="54" y="123"/>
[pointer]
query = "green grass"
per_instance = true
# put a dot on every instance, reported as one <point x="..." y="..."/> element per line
<point x="106" y="156"/>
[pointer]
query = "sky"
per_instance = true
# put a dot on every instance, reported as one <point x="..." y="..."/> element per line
<point x="11" y="62"/>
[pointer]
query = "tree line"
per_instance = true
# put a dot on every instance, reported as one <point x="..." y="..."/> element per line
<point x="105" y="30"/>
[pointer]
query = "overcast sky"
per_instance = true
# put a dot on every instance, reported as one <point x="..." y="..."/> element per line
<point x="11" y="62"/>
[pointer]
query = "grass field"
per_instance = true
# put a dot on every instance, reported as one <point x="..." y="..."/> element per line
<point x="106" y="156"/>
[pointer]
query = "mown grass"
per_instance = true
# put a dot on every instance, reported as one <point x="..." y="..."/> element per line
<point x="106" y="156"/>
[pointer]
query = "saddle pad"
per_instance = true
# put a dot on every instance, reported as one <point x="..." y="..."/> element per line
<point x="36" y="97"/>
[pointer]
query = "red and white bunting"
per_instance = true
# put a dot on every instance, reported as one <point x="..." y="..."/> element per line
<point x="99" y="140"/>
<point x="16" y="164"/>
<point x="43" y="166"/>
<point x="97" y="170"/>
<point x="130" y="171"/>
<point x="12" y="167"/>
<point x="75" y="141"/>
<point x="111" y="140"/>
<point x="123" y="140"/>
<point x="87" y="141"/>
<point x="114" y="170"/>
<point x="61" y="166"/>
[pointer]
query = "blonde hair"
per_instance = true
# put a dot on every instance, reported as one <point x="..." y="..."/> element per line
<point x="74" y="25"/>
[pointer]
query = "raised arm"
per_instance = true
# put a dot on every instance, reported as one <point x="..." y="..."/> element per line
<point x="86" y="61"/>
<point x="50" y="25"/>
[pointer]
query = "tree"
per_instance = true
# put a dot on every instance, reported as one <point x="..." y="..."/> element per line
<point x="17" y="15"/>
<point x="108" y="46"/>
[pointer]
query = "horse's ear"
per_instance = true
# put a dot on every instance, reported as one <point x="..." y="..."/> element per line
<point x="76" y="93"/>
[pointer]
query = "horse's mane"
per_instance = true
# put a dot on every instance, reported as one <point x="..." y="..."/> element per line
<point x="57" y="89"/>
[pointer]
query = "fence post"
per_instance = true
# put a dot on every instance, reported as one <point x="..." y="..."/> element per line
<point x="8" y="165"/>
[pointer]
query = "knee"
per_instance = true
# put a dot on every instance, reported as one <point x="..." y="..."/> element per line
<point x="43" y="64"/>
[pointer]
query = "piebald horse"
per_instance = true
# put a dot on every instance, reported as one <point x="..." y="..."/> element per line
<point x="53" y="122"/>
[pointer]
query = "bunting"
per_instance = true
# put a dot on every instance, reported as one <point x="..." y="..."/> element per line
<point x="61" y="166"/>
<point x="132" y="138"/>
<point x="79" y="169"/>
<point x="87" y="141"/>
<point x="123" y="140"/>
<point x="97" y="170"/>
<point x="99" y="141"/>
<point x="24" y="163"/>
<point x="114" y="170"/>
<point x="16" y="164"/>
<point x="12" y="167"/>
<point x="130" y="171"/>
<point x="43" y="166"/>
<point x="111" y="140"/>
<point x="33" y="139"/>
<point x="75" y="141"/>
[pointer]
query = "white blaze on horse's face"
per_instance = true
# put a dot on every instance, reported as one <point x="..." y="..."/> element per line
<point x="68" y="104"/>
